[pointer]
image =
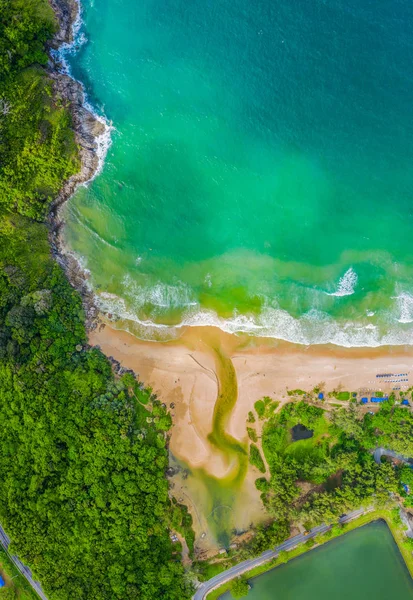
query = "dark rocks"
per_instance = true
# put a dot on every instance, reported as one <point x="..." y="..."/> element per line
<point x="66" y="12"/>
<point x="88" y="129"/>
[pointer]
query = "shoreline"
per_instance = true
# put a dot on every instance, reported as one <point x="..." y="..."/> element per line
<point x="90" y="130"/>
<point x="183" y="372"/>
<point x="92" y="135"/>
<point x="376" y="515"/>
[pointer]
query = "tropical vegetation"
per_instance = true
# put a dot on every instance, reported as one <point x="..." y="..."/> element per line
<point x="333" y="471"/>
<point x="83" y="491"/>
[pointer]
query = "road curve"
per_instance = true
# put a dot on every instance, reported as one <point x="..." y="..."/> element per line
<point x="25" y="571"/>
<point x="251" y="563"/>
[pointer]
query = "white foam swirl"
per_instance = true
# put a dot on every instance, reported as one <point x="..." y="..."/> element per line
<point x="405" y="305"/>
<point x="346" y="284"/>
<point x="161" y="295"/>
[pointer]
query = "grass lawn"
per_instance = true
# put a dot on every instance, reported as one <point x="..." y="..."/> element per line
<point x="312" y="446"/>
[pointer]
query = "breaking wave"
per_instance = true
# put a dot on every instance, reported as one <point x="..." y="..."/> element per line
<point x="161" y="295"/>
<point x="346" y="284"/>
<point x="313" y="327"/>
<point x="405" y="305"/>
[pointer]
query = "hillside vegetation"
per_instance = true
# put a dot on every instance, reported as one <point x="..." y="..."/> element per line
<point x="37" y="149"/>
<point x="83" y="493"/>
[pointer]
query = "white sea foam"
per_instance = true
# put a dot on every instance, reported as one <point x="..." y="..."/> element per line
<point x="161" y="295"/>
<point x="314" y="327"/>
<point x="103" y="141"/>
<point x="405" y="306"/>
<point x="346" y="284"/>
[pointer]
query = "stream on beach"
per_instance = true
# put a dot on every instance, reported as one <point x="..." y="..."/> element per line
<point x="217" y="504"/>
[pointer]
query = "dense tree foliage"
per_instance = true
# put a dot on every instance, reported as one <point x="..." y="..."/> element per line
<point x="239" y="588"/>
<point x="336" y="463"/>
<point x="37" y="149"/>
<point x="391" y="427"/>
<point x="268" y="536"/>
<point x="25" y="27"/>
<point x="83" y="491"/>
<point x="252" y="434"/>
<point x="256" y="458"/>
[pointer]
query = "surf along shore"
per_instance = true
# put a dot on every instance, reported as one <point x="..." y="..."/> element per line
<point x="210" y="381"/>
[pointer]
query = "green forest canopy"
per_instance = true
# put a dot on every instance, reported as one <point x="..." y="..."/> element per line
<point x="83" y="491"/>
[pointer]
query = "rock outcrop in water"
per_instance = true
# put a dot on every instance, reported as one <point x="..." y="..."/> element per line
<point x="87" y="131"/>
<point x="66" y="12"/>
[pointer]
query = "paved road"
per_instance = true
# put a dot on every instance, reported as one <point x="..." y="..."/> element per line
<point x="379" y="452"/>
<point x="25" y="571"/>
<point x="247" y="565"/>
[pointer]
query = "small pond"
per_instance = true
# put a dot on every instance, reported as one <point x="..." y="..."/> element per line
<point x="300" y="432"/>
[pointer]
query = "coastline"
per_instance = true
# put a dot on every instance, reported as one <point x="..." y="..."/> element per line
<point x="183" y="372"/>
<point x="92" y="136"/>
<point x="369" y="516"/>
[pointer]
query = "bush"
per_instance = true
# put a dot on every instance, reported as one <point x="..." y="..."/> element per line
<point x="256" y="458"/>
<point x="8" y="593"/>
<point x="239" y="588"/>
<point x="252" y="434"/>
<point x="262" y="484"/>
<point x="260" y="408"/>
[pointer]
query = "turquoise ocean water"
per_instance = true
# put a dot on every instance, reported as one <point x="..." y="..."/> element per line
<point x="260" y="176"/>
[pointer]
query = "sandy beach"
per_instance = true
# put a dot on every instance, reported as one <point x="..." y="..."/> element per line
<point x="183" y="375"/>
